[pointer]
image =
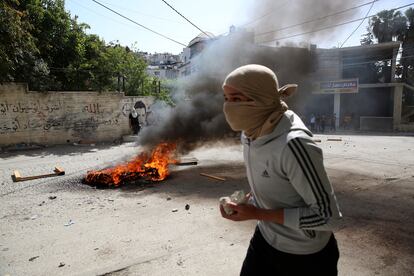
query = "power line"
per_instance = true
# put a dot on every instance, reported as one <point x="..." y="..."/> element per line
<point x="318" y="19"/>
<point x="93" y="11"/>
<point x="138" y="12"/>
<point x="358" y="25"/>
<point x="331" y="26"/>
<point x="136" y="23"/>
<point x="319" y="67"/>
<point x="366" y="62"/>
<point x="185" y="18"/>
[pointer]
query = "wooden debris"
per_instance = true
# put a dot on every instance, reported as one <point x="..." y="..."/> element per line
<point x="334" y="139"/>
<point x="213" y="176"/>
<point x="17" y="176"/>
<point x="187" y="161"/>
<point x="317" y="140"/>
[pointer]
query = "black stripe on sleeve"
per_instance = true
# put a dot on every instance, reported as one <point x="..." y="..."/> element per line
<point x="315" y="224"/>
<point x="306" y="169"/>
<point x="312" y="222"/>
<point x="319" y="183"/>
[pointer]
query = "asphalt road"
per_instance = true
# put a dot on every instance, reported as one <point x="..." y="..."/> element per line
<point x="58" y="226"/>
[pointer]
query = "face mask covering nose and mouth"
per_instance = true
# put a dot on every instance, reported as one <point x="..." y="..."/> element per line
<point x="259" y="116"/>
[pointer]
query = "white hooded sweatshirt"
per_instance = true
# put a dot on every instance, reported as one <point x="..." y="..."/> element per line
<point x="285" y="171"/>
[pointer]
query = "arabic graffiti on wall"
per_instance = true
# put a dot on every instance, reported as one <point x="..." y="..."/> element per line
<point x="31" y="116"/>
<point x="59" y="117"/>
<point x="34" y="108"/>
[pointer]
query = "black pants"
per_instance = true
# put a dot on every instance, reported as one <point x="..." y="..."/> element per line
<point x="263" y="259"/>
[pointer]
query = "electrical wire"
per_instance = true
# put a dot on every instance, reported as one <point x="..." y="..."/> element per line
<point x="186" y="18"/>
<point x="318" y="19"/>
<point x="107" y="17"/>
<point x="136" y="23"/>
<point x="140" y="13"/>
<point x="320" y="67"/>
<point x="366" y="15"/>
<point x="330" y="26"/>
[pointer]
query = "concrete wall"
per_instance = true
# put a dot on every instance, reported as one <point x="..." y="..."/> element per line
<point x="63" y="117"/>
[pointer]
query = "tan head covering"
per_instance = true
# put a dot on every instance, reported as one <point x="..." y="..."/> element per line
<point x="260" y="116"/>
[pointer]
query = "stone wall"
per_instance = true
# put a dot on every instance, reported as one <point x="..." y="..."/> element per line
<point x="64" y="117"/>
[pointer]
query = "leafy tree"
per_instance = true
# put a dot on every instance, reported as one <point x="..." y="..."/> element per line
<point x="40" y="43"/>
<point x="35" y="42"/>
<point x="388" y="25"/>
<point x="385" y="26"/>
<point x="19" y="55"/>
<point x="408" y="49"/>
<point x="367" y="38"/>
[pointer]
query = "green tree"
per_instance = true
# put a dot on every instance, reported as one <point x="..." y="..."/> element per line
<point x="407" y="56"/>
<point x="41" y="44"/>
<point x="367" y="38"/>
<point x="388" y="25"/>
<point x="385" y="26"/>
<point x="19" y="56"/>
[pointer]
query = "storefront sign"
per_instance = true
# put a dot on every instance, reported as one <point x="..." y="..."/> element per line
<point x="335" y="87"/>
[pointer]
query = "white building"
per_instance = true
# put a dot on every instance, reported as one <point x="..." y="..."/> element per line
<point x="163" y="71"/>
<point x="163" y="65"/>
<point x="194" y="48"/>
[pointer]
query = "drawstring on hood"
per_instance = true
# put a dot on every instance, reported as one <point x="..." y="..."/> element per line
<point x="260" y="116"/>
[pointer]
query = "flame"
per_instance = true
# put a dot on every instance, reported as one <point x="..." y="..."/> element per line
<point x="152" y="167"/>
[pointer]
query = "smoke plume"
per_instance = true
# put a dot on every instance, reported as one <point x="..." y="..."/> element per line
<point x="278" y="22"/>
<point x="197" y="116"/>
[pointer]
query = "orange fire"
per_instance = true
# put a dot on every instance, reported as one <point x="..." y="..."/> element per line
<point x="152" y="167"/>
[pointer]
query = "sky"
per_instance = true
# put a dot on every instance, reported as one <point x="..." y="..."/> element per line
<point x="215" y="16"/>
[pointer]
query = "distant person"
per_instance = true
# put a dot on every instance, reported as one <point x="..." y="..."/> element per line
<point x="318" y="123"/>
<point x="333" y="122"/>
<point x="323" y="123"/>
<point x="291" y="196"/>
<point x="134" y="121"/>
<point x="313" y="122"/>
<point x="347" y="121"/>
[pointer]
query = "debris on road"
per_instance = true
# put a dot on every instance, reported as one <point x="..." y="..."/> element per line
<point x="187" y="207"/>
<point x="61" y="264"/>
<point x="69" y="223"/>
<point x="334" y="139"/>
<point x="16" y="176"/>
<point x="52" y="197"/>
<point x="213" y="176"/>
<point x="187" y="161"/>
<point x="33" y="258"/>
<point x="168" y="198"/>
<point x="174" y="210"/>
<point x="317" y="140"/>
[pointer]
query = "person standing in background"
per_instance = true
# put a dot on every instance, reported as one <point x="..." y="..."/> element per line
<point x="134" y="121"/>
<point x="313" y="122"/>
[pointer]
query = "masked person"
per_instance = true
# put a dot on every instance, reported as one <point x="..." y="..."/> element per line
<point x="291" y="196"/>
